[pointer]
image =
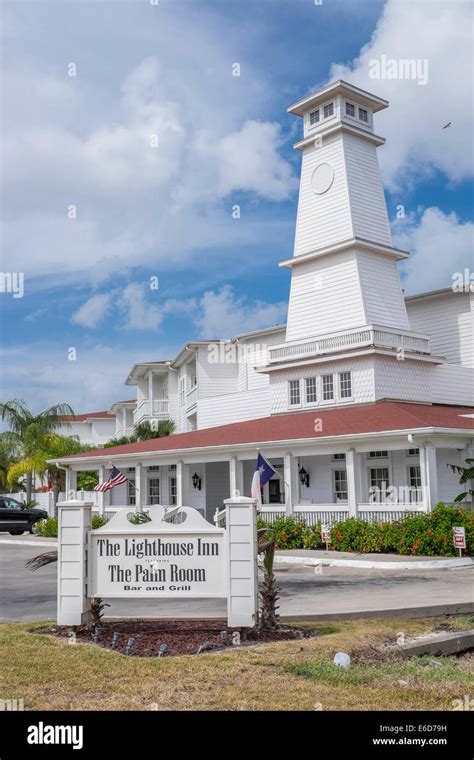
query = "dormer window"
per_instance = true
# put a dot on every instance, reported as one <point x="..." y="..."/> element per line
<point x="314" y="117"/>
<point x="363" y="115"/>
<point x="350" y="109"/>
<point x="328" y="110"/>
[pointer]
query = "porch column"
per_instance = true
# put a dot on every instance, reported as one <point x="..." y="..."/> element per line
<point x="236" y="476"/>
<point x="140" y="487"/>
<point x="429" y="476"/>
<point x="181" y="485"/>
<point x="150" y="392"/>
<point x="290" y="474"/>
<point x="353" y="478"/>
<point x="71" y="483"/>
<point x="124" y="418"/>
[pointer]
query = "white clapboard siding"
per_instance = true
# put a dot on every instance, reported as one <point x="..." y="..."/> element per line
<point x="215" y="378"/>
<point x="323" y="219"/>
<point x="381" y="292"/>
<point x="448" y="481"/>
<point x="452" y="384"/>
<point x="449" y="320"/>
<point x="234" y="407"/>
<point x="217" y="485"/>
<point x="367" y="201"/>
<point x="325" y="297"/>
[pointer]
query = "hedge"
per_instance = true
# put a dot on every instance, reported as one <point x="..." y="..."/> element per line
<point x="49" y="528"/>
<point x="417" y="533"/>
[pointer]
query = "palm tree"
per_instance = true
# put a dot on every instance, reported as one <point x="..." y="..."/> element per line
<point x="56" y="447"/>
<point x="145" y="430"/>
<point x="27" y="437"/>
<point x="269" y="619"/>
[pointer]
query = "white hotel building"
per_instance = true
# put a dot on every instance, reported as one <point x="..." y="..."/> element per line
<point x="361" y="388"/>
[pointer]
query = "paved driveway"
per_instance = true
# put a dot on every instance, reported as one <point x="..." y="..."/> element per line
<point x="32" y="596"/>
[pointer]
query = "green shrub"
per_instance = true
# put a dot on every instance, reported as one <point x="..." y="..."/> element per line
<point x="312" y="537"/>
<point x="98" y="521"/>
<point x="288" y="532"/>
<point x="415" y="534"/>
<point x="47" y="528"/>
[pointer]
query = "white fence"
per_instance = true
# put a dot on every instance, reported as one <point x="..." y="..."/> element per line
<point x="45" y="499"/>
<point x="329" y="514"/>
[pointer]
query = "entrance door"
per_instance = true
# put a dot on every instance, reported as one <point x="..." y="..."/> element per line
<point x="274" y="493"/>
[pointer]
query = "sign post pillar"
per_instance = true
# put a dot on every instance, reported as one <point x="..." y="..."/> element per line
<point x="74" y="523"/>
<point x="241" y="557"/>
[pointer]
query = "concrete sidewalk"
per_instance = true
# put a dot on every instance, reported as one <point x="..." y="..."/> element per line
<point x="314" y="557"/>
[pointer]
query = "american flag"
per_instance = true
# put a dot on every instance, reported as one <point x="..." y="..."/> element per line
<point x="116" y="478"/>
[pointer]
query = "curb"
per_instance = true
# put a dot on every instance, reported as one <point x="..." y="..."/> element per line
<point x="434" y="564"/>
<point x="10" y="542"/>
<point x="463" y="608"/>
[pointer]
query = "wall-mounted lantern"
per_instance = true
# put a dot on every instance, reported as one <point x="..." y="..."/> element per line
<point x="304" y="477"/>
<point x="196" y="481"/>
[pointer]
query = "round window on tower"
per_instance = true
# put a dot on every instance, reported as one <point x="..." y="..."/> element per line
<point x="322" y="179"/>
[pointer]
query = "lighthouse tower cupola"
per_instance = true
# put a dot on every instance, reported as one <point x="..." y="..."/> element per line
<point x="344" y="265"/>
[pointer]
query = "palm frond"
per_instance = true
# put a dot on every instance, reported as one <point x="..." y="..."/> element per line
<point x="41" y="560"/>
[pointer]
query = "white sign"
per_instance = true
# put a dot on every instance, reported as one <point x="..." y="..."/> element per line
<point x="459" y="537"/>
<point x="157" y="558"/>
<point x="326" y="534"/>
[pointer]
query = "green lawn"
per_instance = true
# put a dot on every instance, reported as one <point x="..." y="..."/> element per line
<point x="50" y="674"/>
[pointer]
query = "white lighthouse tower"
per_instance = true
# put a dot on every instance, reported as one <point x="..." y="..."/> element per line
<point x="346" y="310"/>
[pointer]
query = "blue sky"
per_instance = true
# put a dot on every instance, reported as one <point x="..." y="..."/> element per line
<point x="162" y="74"/>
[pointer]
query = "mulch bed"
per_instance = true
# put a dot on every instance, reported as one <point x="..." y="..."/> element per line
<point x="178" y="636"/>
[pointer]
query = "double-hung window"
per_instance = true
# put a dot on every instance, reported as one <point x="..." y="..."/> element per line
<point x="173" y="490"/>
<point x="314" y="117"/>
<point x="379" y="482"/>
<point x="295" y="395"/>
<point x="350" y="109"/>
<point x="311" y="397"/>
<point x="328" y="387"/>
<point x="328" y="110"/>
<point x="363" y="115"/>
<point x="414" y="477"/>
<point x="340" y="485"/>
<point x="153" y="491"/>
<point x="345" y="385"/>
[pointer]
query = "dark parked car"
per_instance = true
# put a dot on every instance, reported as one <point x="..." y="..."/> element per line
<point x="16" y="518"/>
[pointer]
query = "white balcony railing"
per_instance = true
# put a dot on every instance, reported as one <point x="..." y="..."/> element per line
<point x="157" y="409"/>
<point x="368" y="336"/>
<point x="191" y="398"/>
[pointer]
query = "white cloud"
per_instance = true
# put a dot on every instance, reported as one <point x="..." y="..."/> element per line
<point x="440" y="245"/>
<point x="223" y="315"/>
<point x="93" y="310"/>
<point x="139" y="315"/>
<point x="416" y="143"/>
<point x="136" y="203"/>
<point x="92" y="382"/>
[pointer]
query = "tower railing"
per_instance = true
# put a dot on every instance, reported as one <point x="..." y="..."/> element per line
<point x="367" y="336"/>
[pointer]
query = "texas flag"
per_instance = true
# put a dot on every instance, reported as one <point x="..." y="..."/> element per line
<point x="263" y="473"/>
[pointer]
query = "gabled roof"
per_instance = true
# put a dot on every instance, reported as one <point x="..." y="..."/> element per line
<point x="351" y="420"/>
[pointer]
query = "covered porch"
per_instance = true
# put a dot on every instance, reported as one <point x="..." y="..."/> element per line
<point x="376" y="480"/>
